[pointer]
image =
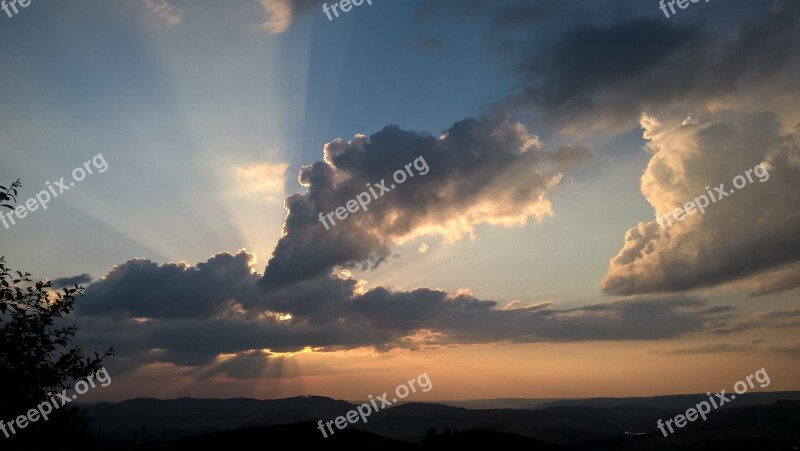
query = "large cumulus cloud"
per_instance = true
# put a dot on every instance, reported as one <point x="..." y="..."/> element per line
<point x="488" y="170"/>
<point x="752" y="232"/>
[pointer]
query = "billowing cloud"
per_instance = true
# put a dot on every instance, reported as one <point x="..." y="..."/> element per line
<point x="759" y="220"/>
<point x="479" y="171"/>
<point x="139" y="288"/>
<point x="191" y="315"/>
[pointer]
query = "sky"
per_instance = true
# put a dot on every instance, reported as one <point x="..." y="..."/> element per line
<point x="526" y="254"/>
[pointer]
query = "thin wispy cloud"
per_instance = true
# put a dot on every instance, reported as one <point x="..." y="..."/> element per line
<point x="264" y="179"/>
<point x="171" y="15"/>
<point x="281" y="13"/>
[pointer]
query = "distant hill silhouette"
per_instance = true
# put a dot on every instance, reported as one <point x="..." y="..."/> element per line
<point x="485" y="440"/>
<point x="304" y="435"/>
<point x="299" y="435"/>
<point x="661" y="402"/>
<point x="676" y="402"/>
<point x="174" y="418"/>
<point x="609" y="426"/>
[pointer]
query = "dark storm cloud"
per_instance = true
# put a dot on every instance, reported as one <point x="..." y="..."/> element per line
<point x="142" y="288"/>
<point x="616" y="70"/>
<point x="606" y="76"/>
<point x="514" y="15"/>
<point x="522" y="14"/>
<point x="599" y="65"/>
<point x="487" y="170"/>
<point x="227" y="314"/>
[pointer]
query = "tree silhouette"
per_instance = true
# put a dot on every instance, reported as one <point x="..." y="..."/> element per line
<point x="36" y="355"/>
<point x="8" y="196"/>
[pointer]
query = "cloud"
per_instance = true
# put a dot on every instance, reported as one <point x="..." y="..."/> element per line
<point x="782" y="279"/>
<point x="759" y="220"/>
<point x="168" y="13"/>
<point x="144" y="289"/>
<point x="787" y="318"/>
<point x="792" y="350"/>
<point x="252" y="365"/>
<point x="516" y="29"/>
<point x="281" y="13"/>
<point x="481" y="171"/>
<point x="717" y="348"/>
<point x="192" y="315"/>
<point x="265" y="179"/>
<point x="568" y="66"/>
<point x="582" y="80"/>
<point x="80" y="279"/>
